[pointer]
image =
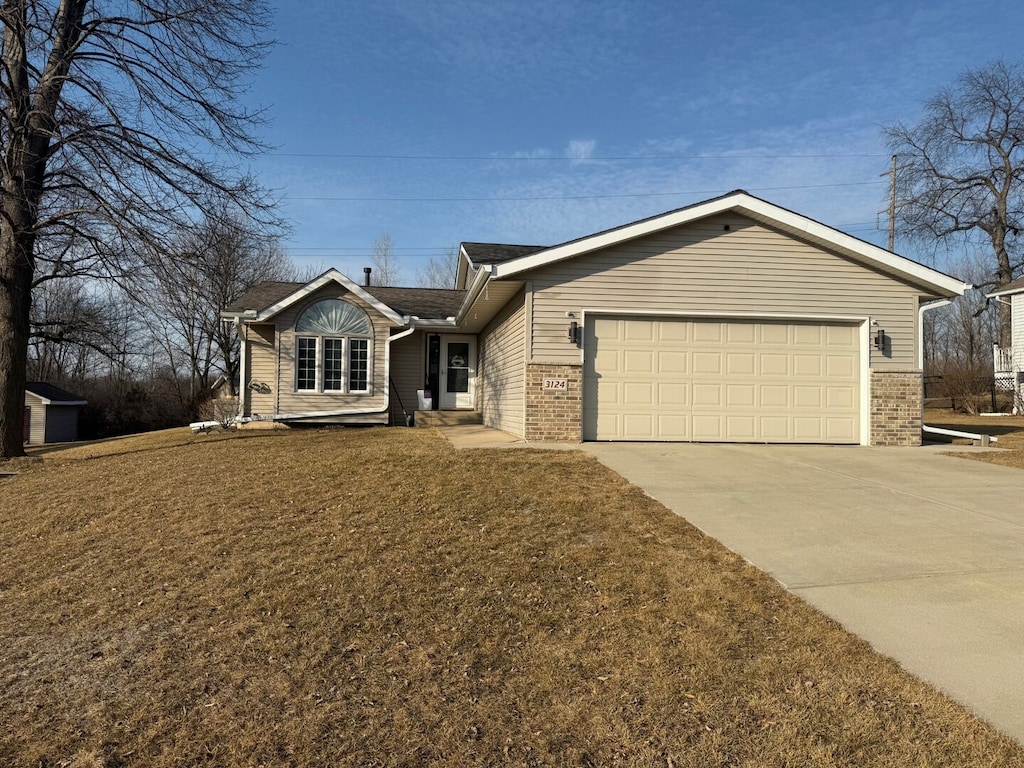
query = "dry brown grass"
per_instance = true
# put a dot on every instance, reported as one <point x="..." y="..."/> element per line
<point x="1009" y="430"/>
<point x="371" y="597"/>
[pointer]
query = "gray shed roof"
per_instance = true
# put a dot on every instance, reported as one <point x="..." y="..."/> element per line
<point x="54" y="394"/>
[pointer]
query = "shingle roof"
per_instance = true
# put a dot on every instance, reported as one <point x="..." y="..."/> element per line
<point x="52" y="393"/>
<point x="497" y="253"/>
<point x="422" y="302"/>
<point x="264" y="295"/>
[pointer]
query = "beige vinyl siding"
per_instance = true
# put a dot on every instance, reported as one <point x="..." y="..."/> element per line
<point x="262" y="370"/>
<point x="704" y="268"/>
<point x="1017" y="325"/>
<point x="37" y="419"/>
<point x="407" y="374"/>
<point x="291" y="401"/>
<point x="502" y="368"/>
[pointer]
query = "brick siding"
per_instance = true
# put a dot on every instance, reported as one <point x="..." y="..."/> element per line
<point x="896" y="407"/>
<point x="554" y="416"/>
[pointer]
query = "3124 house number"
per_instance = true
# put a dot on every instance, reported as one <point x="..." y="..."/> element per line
<point x="556" y="384"/>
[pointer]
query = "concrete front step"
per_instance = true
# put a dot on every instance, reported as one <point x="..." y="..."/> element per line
<point x="447" y="418"/>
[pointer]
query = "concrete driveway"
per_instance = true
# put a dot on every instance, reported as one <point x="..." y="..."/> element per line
<point x="920" y="554"/>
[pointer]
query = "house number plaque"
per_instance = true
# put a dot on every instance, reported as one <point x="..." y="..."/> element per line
<point x="558" y="385"/>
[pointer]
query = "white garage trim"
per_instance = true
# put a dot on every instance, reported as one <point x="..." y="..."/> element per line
<point x="863" y="323"/>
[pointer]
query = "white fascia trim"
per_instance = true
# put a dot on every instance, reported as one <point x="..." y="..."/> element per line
<point x="479" y="281"/>
<point x="759" y="209"/>
<point x="463" y="266"/>
<point x="331" y="275"/>
<point x="861" y="320"/>
<point x="61" y="402"/>
<point x="1010" y="292"/>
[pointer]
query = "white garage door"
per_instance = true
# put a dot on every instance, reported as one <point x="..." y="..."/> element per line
<point x="721" y="380"/>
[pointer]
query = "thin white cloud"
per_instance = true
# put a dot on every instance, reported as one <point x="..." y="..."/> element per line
<point x="581" y="149"/>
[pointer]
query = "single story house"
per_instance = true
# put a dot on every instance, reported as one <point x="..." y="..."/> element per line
<point x="51" y="414"/>
<point x="729" y="320"/>
<point x="1008" y="362"/>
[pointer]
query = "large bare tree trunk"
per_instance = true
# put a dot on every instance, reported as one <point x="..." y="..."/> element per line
<point x="15" y="301"/>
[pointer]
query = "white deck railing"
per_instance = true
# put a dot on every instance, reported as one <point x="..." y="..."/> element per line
<point x="1003" y="360"/>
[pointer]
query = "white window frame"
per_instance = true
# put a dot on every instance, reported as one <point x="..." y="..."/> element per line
<point x="320" y="360"/>
<point x="333" y="330"/>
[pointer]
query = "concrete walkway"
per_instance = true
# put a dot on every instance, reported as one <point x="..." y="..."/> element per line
<point x="464" y="436"/>
<point x="920" y="554"/>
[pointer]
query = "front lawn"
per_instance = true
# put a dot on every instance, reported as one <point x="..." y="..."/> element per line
<point x="1008" y="429"/>
<point x="374" y="598"/>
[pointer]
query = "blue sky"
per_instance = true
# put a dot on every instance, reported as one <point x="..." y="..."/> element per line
<point x="538" y="121"/>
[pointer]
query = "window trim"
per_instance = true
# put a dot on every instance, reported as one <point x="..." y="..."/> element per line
<point x="344" y="371"/>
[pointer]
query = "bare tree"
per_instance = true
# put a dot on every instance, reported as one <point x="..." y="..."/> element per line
<point x="439" y="272"/>
<point x="213" y="264"/>
<point x="76" y="330"/>
<point x="960" y="170"/>
<point x="109" y="112"/>
<point x="385" y="263"/>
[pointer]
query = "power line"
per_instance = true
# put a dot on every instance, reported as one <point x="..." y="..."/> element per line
<point x="568" y="158"/>
<point x="566" y="197"/>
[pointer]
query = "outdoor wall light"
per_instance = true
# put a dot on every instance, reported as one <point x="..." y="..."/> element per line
<point x="574" y="332"/>
<point x="880" y="339"/>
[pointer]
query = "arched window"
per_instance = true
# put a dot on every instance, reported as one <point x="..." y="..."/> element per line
<point x="333" y="339"/>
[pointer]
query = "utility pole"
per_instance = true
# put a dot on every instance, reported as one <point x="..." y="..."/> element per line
<point x="892" y="205"/>
<point x="891" y="173"/>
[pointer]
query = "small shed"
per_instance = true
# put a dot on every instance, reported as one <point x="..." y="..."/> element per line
<point x="51" y="414"/>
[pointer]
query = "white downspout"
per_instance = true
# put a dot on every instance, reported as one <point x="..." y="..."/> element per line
<point x="243" y="387"/>
<point x="920" y="326"/>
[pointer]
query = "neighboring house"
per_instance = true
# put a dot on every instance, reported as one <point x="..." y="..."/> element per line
<point x="51" y="414"/>
<point x="1008" y="362"/>
<point x="730" y="320"/>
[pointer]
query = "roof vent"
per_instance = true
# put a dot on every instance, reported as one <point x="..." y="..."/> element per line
<point x="366" y="276"/>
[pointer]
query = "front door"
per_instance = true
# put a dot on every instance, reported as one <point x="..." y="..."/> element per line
<point x="458" y="371"/>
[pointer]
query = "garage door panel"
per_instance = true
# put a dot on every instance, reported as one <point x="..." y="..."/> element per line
<point x="707" y="395"/>
<point x="707" y="333"/>
<point x="773" y="333"/>
<point x="707" y="363"/>
<point x="673" y="362"/>
<point x="740" y="395"/>
<point x="638" y="393"/>
<point x="671" y="393"/>
<point x="840" y="397"/>
<point x="807" y="365"/>
<point x="807" y="429"/>
<point x="839" y="366"/>
<point x="773" y="396"/>
<point x="637" y="426"/>
<point x="741" y="428"/>
<point x="712" y="380"/>
<point x="741" y="333"/>
<point x="807" y="397"/>
<point x="673" y="427"/>
<point x="841" y="429"/>
<point x="638" y="361"/>
<point x="774" y="429"/>
<point x="773" y="364"/>
<point x="707" y="427"/>
<point x="740" y="363"/>
<point x="637" y="330"/>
